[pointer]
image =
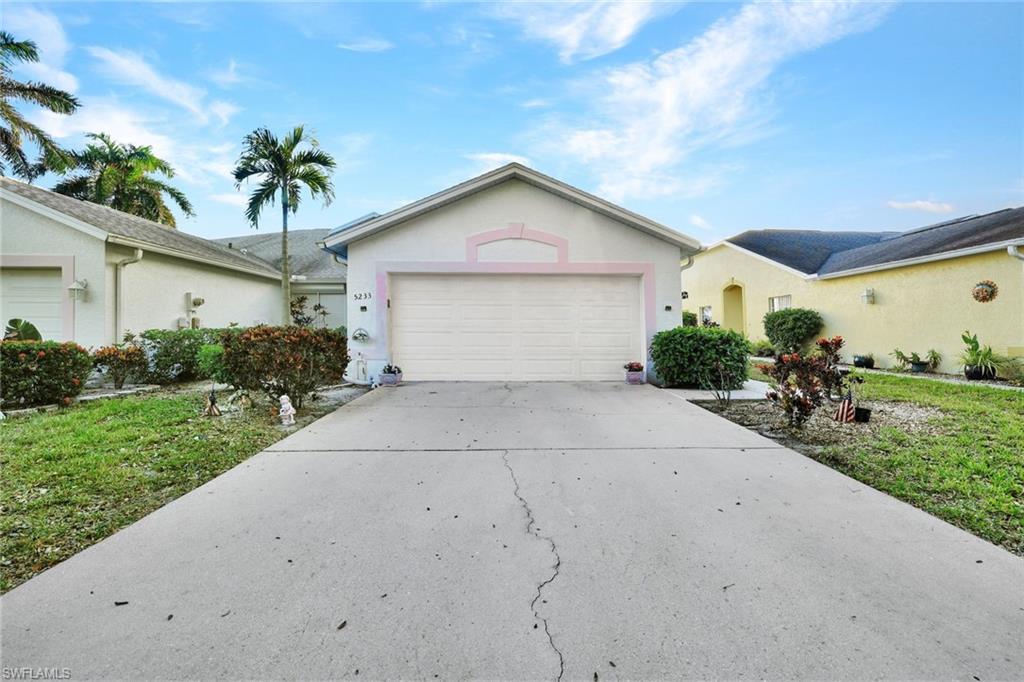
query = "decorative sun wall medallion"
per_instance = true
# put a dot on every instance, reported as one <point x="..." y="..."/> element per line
<point x="984" y="291"/>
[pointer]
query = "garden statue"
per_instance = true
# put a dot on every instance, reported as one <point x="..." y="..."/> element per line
<point x="211" y="405"/>
<point x="287" y="412"/>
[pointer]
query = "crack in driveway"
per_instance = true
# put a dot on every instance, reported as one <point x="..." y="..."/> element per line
<point x="531" y="529"/>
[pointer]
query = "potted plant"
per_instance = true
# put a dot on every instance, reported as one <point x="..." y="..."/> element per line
<point x="979" y="361"/>
<point x="391" y="375"/>
<point x="864" y="361"/>
<point x="634" y="372"/>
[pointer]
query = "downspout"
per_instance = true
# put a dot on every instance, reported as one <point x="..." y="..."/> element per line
<point x="687" y="265"/>
<point x="1014" y="250"/>
<point x="119" y="293"/>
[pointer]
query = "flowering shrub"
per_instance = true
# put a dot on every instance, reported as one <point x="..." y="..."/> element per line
<point x="633" y="366"/>
<point x="709" y="357"/>
<point x="120" y="362"/>
<point x="288" y="360"/>
<point x="42" y="372"/>
<point x="832" y="383"/>
<point x="800" y="383"/>
<point x="796" y="385"/>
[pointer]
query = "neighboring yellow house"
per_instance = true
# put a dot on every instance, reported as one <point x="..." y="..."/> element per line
<point x="879" y="290"/>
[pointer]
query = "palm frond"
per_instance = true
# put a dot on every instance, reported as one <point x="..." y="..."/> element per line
<point x="40" y="94"/>
<point x="264" y="195"/>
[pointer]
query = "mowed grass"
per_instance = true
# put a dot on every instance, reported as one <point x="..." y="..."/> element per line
<point x="966" y="468"/>
<point x="73" y="477"/>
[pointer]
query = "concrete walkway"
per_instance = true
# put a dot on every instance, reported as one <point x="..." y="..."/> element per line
<point x="527" y="531"/>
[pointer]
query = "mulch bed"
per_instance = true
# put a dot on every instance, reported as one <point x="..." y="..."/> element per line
<point x="821" y="431"/>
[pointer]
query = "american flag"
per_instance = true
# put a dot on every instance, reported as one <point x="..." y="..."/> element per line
<point x="844" y="414"/>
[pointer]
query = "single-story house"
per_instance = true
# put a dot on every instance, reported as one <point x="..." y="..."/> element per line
<point x="879" y="290"/>
<point x="87" y="273"/>
<point x="315" y="272"/>
<point x="511" y="275"/>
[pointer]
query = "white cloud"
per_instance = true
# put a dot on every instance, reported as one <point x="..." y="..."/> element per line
<point x="366" y="44"/>
<point x="46" y="31"/>
<point x="490" y="160"/>
<point x="922" y="205"/>
<point x="535" y="104"/>
<point x="129" y="68"/>
<point x="107" y="115"/>
<point x="646" y="117"/>
<point x="700" y="223"/>
<point x="223" y="111"/>
<point x="240" y="200"/>
<point x="582" y="29"/>
<point x="227" y="76"/>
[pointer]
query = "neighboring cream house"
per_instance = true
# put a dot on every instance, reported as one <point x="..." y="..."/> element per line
<point x="315" y="272"/>
<point x="86" y="273"/>
<point x="512" y="275"/>
<point x="879" y="290"/>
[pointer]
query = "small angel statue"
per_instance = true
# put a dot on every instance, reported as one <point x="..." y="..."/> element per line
<point x="287" y="411"/>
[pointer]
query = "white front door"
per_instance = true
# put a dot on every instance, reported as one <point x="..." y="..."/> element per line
<point x="489" y="327"/>
<point x="36" y="295"/>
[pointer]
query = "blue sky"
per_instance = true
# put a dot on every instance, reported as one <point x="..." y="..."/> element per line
<point x="712" y="118"/>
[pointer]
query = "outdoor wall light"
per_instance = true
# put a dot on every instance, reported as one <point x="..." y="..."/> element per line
<point x="77" y="289"/>
<point x="868" y="297"/>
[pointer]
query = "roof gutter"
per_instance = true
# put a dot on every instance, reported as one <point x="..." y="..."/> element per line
<point x="339" y="253"/>
<point x="136" y="244"/>
<point x="119" y="293"/>
<point x="1014" y="250"/>
<point x="970" y="251"/>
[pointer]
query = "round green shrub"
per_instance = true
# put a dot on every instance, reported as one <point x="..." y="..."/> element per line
<point x="42" y="372"/>
<point x="210" y="362"/>
<point x="791" y="329"/>
<point x="689" y="318"/>
<point x="701" y="356"/>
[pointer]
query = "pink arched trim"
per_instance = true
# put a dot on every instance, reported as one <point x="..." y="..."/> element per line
<point x="516" y="231"/>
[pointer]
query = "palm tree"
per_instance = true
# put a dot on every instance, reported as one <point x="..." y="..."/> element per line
<point x="14" y="127"/>
<point x="281" y="166"/>
<point x="118" y="176"/>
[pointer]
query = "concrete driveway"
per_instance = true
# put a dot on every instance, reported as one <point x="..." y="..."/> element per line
<point x="527" y="531"/>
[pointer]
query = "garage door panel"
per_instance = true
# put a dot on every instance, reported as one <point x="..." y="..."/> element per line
<point x="515" y="327"/>
<point x="36" y="295"/>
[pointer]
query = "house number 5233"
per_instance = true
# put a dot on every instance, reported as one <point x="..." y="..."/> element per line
<point x="362" y="296"/>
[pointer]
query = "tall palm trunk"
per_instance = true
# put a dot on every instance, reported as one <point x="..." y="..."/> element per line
<point x="286" y="276"/>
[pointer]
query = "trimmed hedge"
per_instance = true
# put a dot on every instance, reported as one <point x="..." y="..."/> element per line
<point x="126" y="361"/>
<point x="173" y="353"/>
<point x="791" y="329"/>
<point x="701" y="356"/>
<point x="210" y="360"/>
<point x="42" y="372"/>
<point x="689" y="319"/>
<point x="288" y="360"/>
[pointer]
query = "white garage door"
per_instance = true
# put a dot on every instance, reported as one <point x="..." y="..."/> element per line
<point x="36" y="295"/>
<point x="515" y="327"/>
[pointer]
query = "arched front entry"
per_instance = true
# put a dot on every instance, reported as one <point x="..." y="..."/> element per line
<point x="732" y="308"/>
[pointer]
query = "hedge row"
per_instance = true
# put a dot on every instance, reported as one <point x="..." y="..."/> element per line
<point x="42" y="372"/>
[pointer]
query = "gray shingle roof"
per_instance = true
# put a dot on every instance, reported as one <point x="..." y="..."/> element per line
<point x="953" y="235"/>
<point x="828" y="253"/>
<point x="305" y="256"/>
<point x="138" y="229"/>
<point x="803" y="250"/>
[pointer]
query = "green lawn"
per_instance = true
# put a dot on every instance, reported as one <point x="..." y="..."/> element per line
<point x="73" y="477"/>
<point x="970" y="471"/>
<point x="962" y="461"/>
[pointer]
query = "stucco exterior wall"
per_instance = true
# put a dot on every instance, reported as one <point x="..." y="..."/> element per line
<point x="26" y="233"/>
<point x="154" y="293"/>
<point x="916" y="308"/>
<point x="440" y="237"/>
